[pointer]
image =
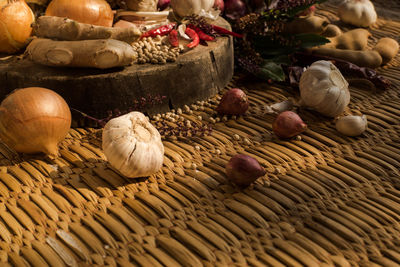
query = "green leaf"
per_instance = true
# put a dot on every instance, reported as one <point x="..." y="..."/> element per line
<point x="281" y="59"/>
<point x="271" y="70"/>
<point x="310" y="39"/>
<point x="269" y="48"/>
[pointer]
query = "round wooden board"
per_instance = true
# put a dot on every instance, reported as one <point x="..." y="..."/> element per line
<point x="196" y="75"/>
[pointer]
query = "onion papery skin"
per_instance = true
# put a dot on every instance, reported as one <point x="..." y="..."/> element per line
<point x="16" y="18"/>
<point x="96" y="12"/>
<point x="34" y="120"/>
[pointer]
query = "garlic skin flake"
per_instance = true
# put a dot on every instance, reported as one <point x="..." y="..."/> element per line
<point x="133" y="145"/>
<point x="352" y="125"/>
<point x="324" y="89"/>
<point x="360" y="13"/>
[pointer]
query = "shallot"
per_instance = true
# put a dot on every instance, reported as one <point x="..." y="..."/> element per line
<point x="233" y="102"/>
<point x="288" y="124"/>
<point x="242" y="170"/>
<point x="235" y="9"/>
<point x="219" y="4"/>
<point x="163" y="4"/>
<point x="258" y="5"/>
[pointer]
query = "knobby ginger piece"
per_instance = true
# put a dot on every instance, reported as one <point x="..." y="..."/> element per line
<point x="69" y="30"/>
<point x="102" y="54"/>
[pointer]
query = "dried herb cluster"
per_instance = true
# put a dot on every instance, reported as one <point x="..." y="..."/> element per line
<point x="265" y="46"/>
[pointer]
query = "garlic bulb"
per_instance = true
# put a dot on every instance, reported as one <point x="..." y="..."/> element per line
<point x="133" y="145"/>
<point x="351" y="125"/>
<point x="185" y="8"/>
<point x="360" y="13"/>
<point x="323" y="88"/>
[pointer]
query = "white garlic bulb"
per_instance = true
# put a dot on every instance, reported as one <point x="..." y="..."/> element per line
<point x="352" y="125"/>
<point x="185" y="8"/>
<point x="324" y="89"/>
<point x="133" y="145"/>
<point x="360" y="13"/>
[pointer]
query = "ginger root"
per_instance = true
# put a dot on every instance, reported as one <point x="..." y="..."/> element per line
<point x="388" y="48"/>
<point x="102" y="53"/>
<point x="310" y="24"/>
<point x="332" y="31"/>
<point x="367" y="58"/>
<point x="70" y="30"/>
<point x="356" y="39"/>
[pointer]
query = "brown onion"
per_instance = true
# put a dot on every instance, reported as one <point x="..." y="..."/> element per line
<point x="34" y="120"/>
<point x="288" y="124"/>
<point x="16" y="18"/>
<point x="233" y="102"/>
<point x="242" y="170"/>
<point x="96" y="12"/>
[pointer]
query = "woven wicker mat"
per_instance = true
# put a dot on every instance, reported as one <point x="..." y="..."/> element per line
<point x="328" y="200"/>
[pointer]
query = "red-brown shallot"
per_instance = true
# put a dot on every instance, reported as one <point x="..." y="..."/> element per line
<point x="288" y="124"/>
<point x="235" y="9"/>
<point x="219" y="4"/>
<point x="243" y="169"/>
<point x="233" y="102"/>
<point x="163" y="4"/>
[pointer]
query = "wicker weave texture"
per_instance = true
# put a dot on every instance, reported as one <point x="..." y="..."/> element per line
<point x="327" y="200"/>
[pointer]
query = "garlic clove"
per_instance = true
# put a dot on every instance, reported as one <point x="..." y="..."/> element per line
<point x="282" y="106"/>
<point x="352" y="125"/>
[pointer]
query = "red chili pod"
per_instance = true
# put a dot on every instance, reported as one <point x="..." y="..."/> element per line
<point x="221" y="30"/>
<point x="173" y="38"/>
<point x="194" y="36"/>
<point x="202" y="35"/>
<point x="163" y="30"/>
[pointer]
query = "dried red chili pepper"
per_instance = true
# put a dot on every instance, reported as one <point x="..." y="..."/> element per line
<point x="173" y="38"/>
<point x="201" y="34"/>
<point x="221" y="30"/>
<point x="194" y="36"/>
<point x="163" y="30"/>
